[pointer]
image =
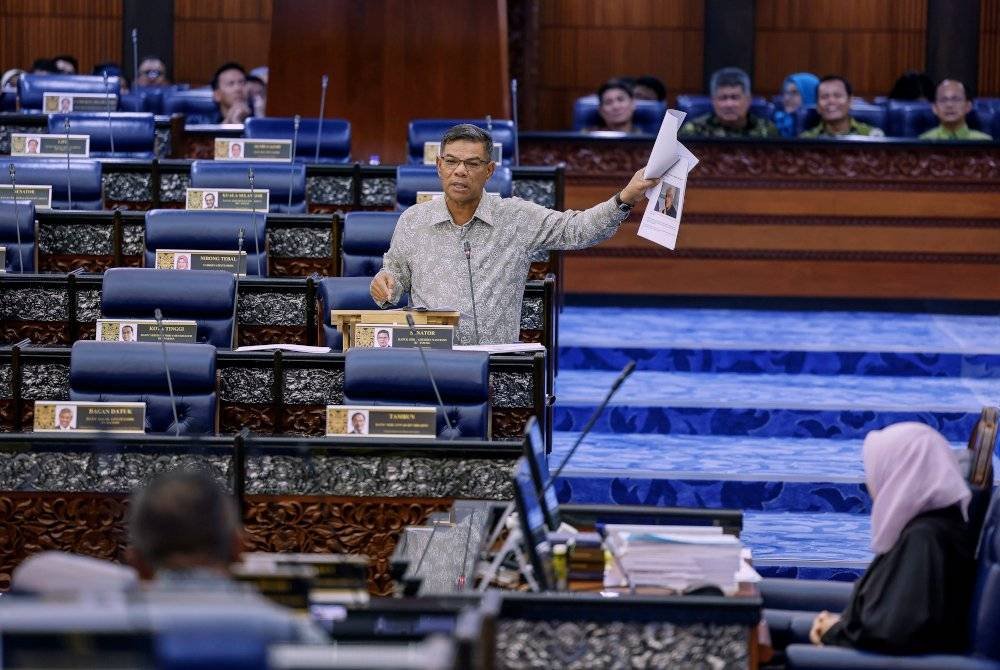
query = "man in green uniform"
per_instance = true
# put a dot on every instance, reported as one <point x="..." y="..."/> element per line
<point x="833" y="102"/>
<point x="950" y="107"/>
<point x="730" y="117"/>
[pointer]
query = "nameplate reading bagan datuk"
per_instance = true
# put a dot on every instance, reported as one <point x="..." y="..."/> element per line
<point x="40" y="195"/>
<point x="278" y="151"/>
<point x="36" y="144"/>
<point x="380" y="421"/>
<point x="229" y="199"/>
<point x="63" y="103"/>
<point x="433" y="149"/>
<point x="146" y="330"/>
<point x="67" y="415"/>
<point x="194" y="259"/>
<point x="376" y="336"/>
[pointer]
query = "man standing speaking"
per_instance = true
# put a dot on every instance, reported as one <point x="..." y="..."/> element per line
<point x="436" y="242"/>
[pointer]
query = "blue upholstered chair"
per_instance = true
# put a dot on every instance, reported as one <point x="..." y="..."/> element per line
<point x="648" y="114"/>
<point x="134" y="372"/>
<point x="85" y="179"/>
<point x="215" y="231"/>
<point x="277" y="178"/>
<point x="411" y="179"/>
<point x="196" y="104"/>
<point x="31" y="88"/>
<point x="334" y="145"/>
<point x="341" y="293"/>
<point x="8" y="101"/>
<point x="134" y="133"/>
<point x="909" y="118"/>
<point x="205" y="296"/>
<point x="365" y="239"/>
<point x="398" y="377"/>
<point x="873" y="115"/>
<point x="697" y="105"/>
<point x="18" y="220"/>
<point x="431" y="130"/>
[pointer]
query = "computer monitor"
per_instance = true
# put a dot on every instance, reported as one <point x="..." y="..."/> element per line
<point x="534" y="534"/>
<point x="534" y="451"/>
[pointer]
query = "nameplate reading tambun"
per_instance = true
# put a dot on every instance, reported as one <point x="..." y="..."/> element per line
<point x="146" y="330"/>
<point x="63" y="103"/>
<point x="195" y="259"/>
<point x="433" y="149"/>
<point x="277" y="151"/>
<point x="227" y="199"/>
<point x="381" y="336"/>
<point x="53" y="416"/>
<point x="380" y="421"/>
<point x="38" y="194"/>
<point x="37" y="144"/>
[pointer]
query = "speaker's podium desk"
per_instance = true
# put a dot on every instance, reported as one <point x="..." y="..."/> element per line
<point x="344" y="320"/>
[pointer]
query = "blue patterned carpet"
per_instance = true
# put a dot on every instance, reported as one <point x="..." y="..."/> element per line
<point x="763" y="411"/>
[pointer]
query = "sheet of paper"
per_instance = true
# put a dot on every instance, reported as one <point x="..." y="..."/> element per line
<point x="670" y="161"/>
<point x="665" y="149"/>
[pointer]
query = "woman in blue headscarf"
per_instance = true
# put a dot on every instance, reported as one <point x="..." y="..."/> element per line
<point x="798" y="90"/>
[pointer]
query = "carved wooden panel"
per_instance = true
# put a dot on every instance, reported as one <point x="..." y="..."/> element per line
<point x="234" y="416"/>
<point x="531" y="335"/>
<point x="509" y="422"/>
<point x="70" y="262"/>
<point x="6" y="415"/>
<point x="300" y="267"/>
<point x="250" y="335"/>
<point x="305" y="420"/>
<point x="39" y="332"/>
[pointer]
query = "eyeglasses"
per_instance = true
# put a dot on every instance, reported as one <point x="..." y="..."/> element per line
<point x="451" y="163"/>
<point x="949" y="101"/>
<point x="152" y="74"/>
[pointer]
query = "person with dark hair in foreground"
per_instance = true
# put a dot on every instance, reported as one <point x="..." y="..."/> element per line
<point x="833" y="102"/>
<point x="616" y="108"/>
<point x="229" y="90"/>
<point x="730" y="117"/>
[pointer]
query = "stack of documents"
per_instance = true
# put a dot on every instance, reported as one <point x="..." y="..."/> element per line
<point x="672" y="557"/>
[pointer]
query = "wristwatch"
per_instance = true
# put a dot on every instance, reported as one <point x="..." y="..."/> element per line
<point x="623" y="206"/>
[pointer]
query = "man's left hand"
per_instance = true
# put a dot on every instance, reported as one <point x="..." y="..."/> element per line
<point x="634" y="193"/>
<point x="822" y="623"/>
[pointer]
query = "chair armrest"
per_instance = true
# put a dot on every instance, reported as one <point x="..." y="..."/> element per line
<point x="806" y="595"/>
<point x="731" y="520"/>
<point x="840" y="658"/>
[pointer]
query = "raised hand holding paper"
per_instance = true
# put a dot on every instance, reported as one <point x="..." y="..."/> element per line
<point x="671" y="161"/>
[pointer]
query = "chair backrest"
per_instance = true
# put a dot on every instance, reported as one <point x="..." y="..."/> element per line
<point x="398" y="377"/>
<point x="534" y="537"/>
<point x="18" y="220"/>
<point x="365" y="239"/>
<point x="431" y="130"/>
<point x="84" y="179"/>
<point x="411" y="179"/>
<point x="538" y="462"/>
<point x="134" y="372"/>
<point x="985" y="615"/>
<point x="277" y="178"/>
<point x="196" y="104"/>
<point x="205" y="296"/>
<point x="334" y="144"/>
<point x="8" y="101"/>
<point x="648" y="114"/>
<point x="215" y="231"/>
<point x="866" y="112"/>
<point x="697" y="105"/>
<point x="909" y="118"/>
<point x="31" y="88"/>
<point x="341" y="293"/>
<point x="134" y="132"/>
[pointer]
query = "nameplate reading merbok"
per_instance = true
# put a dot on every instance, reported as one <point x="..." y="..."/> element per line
<point x="67" y="415"/>
<point x="146" y="330"/>
<point x="24" y="144"/>
<point x="279" y="151"/>
<point x="375" y="336"/>
<point x="40" y="195"/>
<point x="193" y="259"/>
<point x="230" y="199"/>
<point x="62" y="103"/>
<point x="380" y="421"/>
<point x="433" y="149"/>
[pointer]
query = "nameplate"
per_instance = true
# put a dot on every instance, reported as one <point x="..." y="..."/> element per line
<point x="146" y="330"/>
<point x="24" y="144"/>
<point x="424" y="196"/>
<point x="278" y="151"/>
<point x="192" y="259"/>
<point x="113" y="417"/>
<point x="229" y="199"/>
<point x="3" y="259"/>
<point x="380" y="421"/>
<point x="63" y="103"/>
<point x="375" y="336"/>
<point x="286" y="585"/>
<point x="433" y="149"/>
<point x="38" y="194"/>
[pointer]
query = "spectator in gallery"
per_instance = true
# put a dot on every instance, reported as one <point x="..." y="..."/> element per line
<point x="616" y="108"/>
<point x="730" y="116"/>
<point x="43" y="66"/>
<point x="257" y="94"/>
<point x="833" y="98"/>
<point x="951" y="105"/>
<point x="797" y="91"/>
<point x="9" y="80"/>
<point x="152" y="72"/>
<point x="648" y="87"/>
<point x="229" y="90"/>
<point x="66" y="64"/>
<point x="913" y="86"/>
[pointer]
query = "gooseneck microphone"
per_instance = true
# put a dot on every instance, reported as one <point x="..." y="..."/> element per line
<point x="236" y="291"/>
<point x="69" y="181"/>
<point x="472" y="291"/>
<point x="111" y="131"/>
<point x="17" y="217"/>
<point x="513" y="107"/>
<point x="135" y="54"/>
<point x="253" y="219"/>
<point x="291" y="171"/>
<point x="622" y="376"/>
<point x="430" y="375"/>
<point x="322" y="109"/>
<point x="158" y="315"/>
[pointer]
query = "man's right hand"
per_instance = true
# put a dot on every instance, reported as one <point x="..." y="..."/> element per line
<point x="382" y="287"/>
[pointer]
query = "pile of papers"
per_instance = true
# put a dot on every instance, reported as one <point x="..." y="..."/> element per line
<point x="677" y="558"/>
<point x="670" y="162"/>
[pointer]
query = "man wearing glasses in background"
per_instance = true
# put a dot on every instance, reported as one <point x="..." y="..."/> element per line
<point x="152" y="72"/>
<point x="427" y="257"/>
<point x="950" y="107"/>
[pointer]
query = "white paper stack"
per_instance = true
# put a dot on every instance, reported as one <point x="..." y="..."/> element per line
<point x="673" y="557"/>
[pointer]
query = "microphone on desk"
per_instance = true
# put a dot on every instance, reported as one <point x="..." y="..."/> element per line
<point x="236" y="291"/>
<point x="291" y="171"/>
<point x="158" y="315"/>
<point x="69" y="181"/>
<point x="430" y="375"/>
<point x="111" y="131"/>
<point x="472" y="291"/>
<point x="513" y="107"/>
<point x="324" y="82"/>
<point x="17" y="217"/>
<point x="135" y="54"/>
<point x="253" y="219"/>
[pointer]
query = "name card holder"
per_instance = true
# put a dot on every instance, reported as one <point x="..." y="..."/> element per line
<point x="344" y="320"/>
<point x="37" y="144"/>
<point x="39" y="194"/>
<point x="380" y="421"/>
<point x="195" y="259"/>
<point x="433" y="149"/>
<point x="374" y="336"/>
<point x="146" y="330"/>
<point x="227" y="199"/>
<point x="64" y="103"/>
<point x="53" y="416"/>
<point x="275" y="151"/>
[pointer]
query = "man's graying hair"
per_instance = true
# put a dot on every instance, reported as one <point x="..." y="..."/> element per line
<point x="469" y="133"/>
<point x="729" y="76"/>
